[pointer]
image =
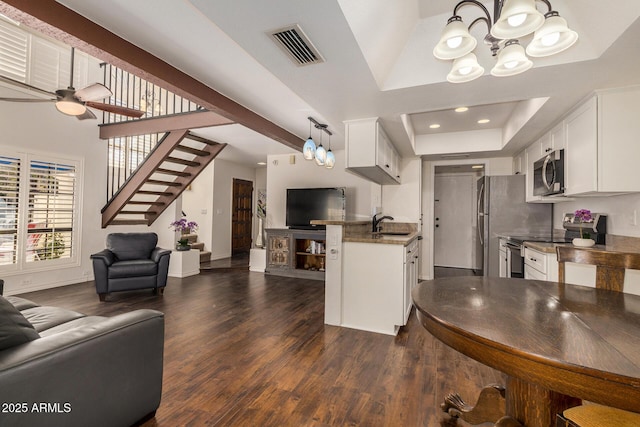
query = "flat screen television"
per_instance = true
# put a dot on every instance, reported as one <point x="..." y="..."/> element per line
<point x="306" y="204"/>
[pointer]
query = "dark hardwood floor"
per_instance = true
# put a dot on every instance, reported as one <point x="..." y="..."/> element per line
<point x="245" y="349"/>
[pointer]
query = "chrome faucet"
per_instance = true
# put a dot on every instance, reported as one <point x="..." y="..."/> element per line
<point x="375" y="222"/>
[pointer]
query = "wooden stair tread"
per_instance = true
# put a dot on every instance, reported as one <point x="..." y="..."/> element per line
<point x="155" y="193"/>
<point x="191" y="150"/>
<point x="129" y="222"/>
<point x="182" y="161"/>
<point x="167" y="183"/>
<point x="141" y="202"/>
<point x="172" y="172"/>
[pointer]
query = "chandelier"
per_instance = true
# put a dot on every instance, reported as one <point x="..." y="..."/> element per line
<point x="513" y="19"/>
<point x="322" y="156"/>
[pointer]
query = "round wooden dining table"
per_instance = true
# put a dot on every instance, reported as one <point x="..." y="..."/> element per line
<point x="556" y="343"/>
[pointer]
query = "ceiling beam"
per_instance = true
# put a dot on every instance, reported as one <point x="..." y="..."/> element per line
<point x="193" y="120"/>
<point x="59" y="22"/>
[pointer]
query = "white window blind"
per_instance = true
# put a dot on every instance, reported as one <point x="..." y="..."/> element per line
<point x="13" y="51"/>
<point x="50" y="211"/>
<point x="9" y="196"/>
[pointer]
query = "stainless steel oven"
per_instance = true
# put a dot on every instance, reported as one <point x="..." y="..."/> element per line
<point x="548" y="174"/>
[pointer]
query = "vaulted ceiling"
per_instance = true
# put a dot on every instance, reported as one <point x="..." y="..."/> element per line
<point x="377" y="61"/>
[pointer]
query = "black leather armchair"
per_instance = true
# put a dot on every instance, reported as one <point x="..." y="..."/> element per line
<point x="130" y="261"/>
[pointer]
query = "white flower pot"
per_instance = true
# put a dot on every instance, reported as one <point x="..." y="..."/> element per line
<point x="583" y="243"/>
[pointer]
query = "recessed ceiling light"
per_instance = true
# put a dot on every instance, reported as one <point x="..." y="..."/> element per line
<point x="434" y="126"/>
<point x="461" y="109"/>
<point x="262" y="163"/>
<point x="477" y="166"/>
<point x="483" y="121"/>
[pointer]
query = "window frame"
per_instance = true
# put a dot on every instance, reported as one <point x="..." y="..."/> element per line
<point x="21" y="264"/>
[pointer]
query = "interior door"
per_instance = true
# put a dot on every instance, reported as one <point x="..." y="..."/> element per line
<point x="241" y="226"/>
<point x="453" y="210"/>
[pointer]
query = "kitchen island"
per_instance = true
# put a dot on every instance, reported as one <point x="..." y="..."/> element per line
<point x="369" y="276"/>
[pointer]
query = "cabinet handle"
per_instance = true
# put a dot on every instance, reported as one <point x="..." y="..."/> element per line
<point x="547" y="150"/>
<point x="533" y="259"/>
<point x="386" y="166"/>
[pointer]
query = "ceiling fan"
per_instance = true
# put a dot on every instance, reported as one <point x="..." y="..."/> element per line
<point x="74" y="102"/>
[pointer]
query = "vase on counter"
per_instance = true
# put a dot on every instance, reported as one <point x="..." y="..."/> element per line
<point x="583" y="243"/>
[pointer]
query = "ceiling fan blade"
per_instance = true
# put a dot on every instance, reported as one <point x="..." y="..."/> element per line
<point x="94" y="92"/>
<point x="88" y="114"/>
<point x="116" y="109"/>
<point x="26" y="86"/>
<point x="26" y="100"/>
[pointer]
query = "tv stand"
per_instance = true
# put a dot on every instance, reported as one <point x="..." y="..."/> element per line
<point x="296" y="253"/>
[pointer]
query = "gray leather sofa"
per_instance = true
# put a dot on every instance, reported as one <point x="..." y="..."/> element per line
<point x="61" y="368"/>
<point x="131" y="261"/>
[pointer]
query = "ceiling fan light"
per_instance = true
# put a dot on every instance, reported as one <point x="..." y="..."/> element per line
<point x="70" y="108"/>
<point x="455" y="41"/>
<point x="517" y="19"/>
<point x="553" y="37"/>
<point x="511" y="60"/>
<point x="309" y="149"/>
<point x="465" y="69"/>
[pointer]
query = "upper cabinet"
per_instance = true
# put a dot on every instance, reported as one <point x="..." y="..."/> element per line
<point x="601" y="144"/>
<point x="370" y="153"/>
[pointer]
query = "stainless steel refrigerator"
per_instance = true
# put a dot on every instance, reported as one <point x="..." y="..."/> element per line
<point x="502" y="211"/>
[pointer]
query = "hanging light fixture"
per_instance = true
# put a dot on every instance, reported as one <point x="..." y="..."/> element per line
<point x="309" y="148"/>
<point x="512" y="19"/>
<point x="330" y="162"/>
<point x="321" y="156"/>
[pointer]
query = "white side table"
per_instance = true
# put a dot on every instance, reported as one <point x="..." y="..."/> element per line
<point x="184" y="263"/>
<point x="258" y="260"/>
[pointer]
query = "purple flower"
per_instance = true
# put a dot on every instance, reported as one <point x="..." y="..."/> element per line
<point x="583" y="215"/>
<point x="182" y="224"/>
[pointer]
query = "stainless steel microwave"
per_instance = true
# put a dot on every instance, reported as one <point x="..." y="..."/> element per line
<point x="548" y="174"/>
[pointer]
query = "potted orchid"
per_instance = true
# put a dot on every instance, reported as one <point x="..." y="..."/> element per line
<point x="184" y="227"/>
<point x="583" y="216"/>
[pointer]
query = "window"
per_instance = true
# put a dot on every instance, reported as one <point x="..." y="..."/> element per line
<point x="38" y="211"/>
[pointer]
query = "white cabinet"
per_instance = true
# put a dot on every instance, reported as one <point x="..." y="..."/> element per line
<point x="520" y="163"/>
<point x="540" y="266"/>
<point x="552" y="140"/>
<point x="411" y="268"/>
<point x="377" y="280"/>
<point x="532" y="154"/>
<point x="503" y="257"/>
<point x="370" y="153"/>
<point x="602" y="151"/>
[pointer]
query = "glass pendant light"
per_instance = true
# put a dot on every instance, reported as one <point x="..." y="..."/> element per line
<point x="321" y="154"/>
<point x="309" y="147"/>
<point x="553" y="37"/>
<point x="511" y="60"/>
<point x="517" y="19"/>
<point x="455" y="40"/>
<point x="331" y="158"/>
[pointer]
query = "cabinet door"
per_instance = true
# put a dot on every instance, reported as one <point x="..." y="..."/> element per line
<point x="581" y="155"/>
<point x="504" y="261"/>
<point x="546" y="144"/>
<point x="557" y="137"/>
<point x="532" y="153"/>
<point x="533" y="274"/>
<point x="519" y="164"/>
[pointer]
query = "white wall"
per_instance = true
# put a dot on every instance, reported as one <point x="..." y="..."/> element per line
<point x="282" y="174"/>
<point x="403" y="202"/>
<point x="619" y="209"/>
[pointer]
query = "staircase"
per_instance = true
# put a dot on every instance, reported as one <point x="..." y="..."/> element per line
<point x="164" y="174"/>
<point x="205" y="256"/>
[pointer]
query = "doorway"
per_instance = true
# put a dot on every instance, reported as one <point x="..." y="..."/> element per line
<point x="241" y="220"/>
<point x="454" y="216"/>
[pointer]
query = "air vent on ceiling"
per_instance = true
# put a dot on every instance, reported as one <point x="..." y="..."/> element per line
<point x="296" y="43"/>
